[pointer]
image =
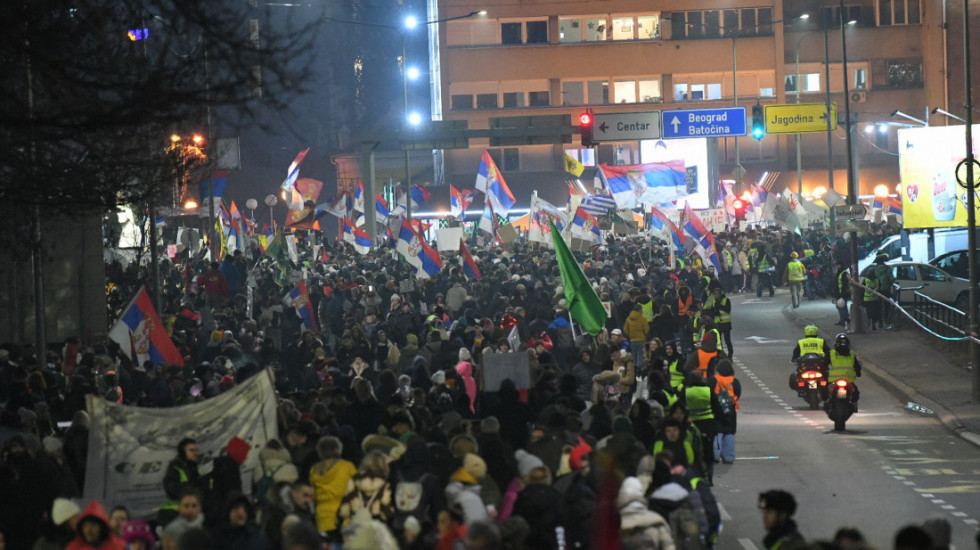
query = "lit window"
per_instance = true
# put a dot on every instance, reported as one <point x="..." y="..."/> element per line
<point x="650" y="91"/>
<point x="625" y="91"/>
<point x="570" y="29"/>
<point x="622" y="28"/>
<point x="648" y="27"/>
<point x="595" y="30"/>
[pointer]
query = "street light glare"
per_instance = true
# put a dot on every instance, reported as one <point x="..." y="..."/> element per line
<point x="174" y="138"/>
<point x="805" y="16"/>
<point x="411" y="22"/>
<point x="414" y="119"/>
<point x="481" y="12"/>
<point x="197" y="139"/>
<point x="412" y="73"/>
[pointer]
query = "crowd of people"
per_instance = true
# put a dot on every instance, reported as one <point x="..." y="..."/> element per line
<point x="389" y="436"/>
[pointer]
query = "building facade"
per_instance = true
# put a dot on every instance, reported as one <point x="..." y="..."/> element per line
<point x="558" y="57"/>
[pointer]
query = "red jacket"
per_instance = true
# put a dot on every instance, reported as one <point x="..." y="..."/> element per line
<point x="109" y="541"/>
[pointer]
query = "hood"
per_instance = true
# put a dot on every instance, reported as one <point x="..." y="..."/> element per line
<point x="272" y="456"/>
<point x="607" y="377"/>
<point x="94" y="510"/>
<point x="463" y="476"/>
<point x="672" y="491"/>
<point x="635" y="316"/>
<point x="238" y="450"/>
<point x="465" y="369"/>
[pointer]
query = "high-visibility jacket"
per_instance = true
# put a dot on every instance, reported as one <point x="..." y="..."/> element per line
<point x="699" y="403"/>
<point x="729" y="259"/>
<point x="726" y="384"/>
<point x="704" y="362"/>
<point x="811" y="344"/>
<point x="722" y="314"/>
<point x="796" y="271"/>
<point x="842" y="366"/>
<point x="658" y="446"/>
<point x="647" y="310"/>
<point x="170" y="504"/>
<point x="676" y="371"/>
<point x="870" y="286"/>
<point x="684" y="306"/>
<point x="843" y="286"/>
<point x="764" y="263"/>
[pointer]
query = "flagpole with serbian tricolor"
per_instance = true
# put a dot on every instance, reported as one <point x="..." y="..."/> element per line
<point x="582" y="301"/>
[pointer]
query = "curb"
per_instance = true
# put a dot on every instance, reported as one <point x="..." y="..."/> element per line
<point x="947" y="417"/>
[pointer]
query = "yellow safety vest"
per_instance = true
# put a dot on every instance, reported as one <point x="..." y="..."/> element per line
<point x="723" y="316"/>
<point x="699" y="403"/>
<point x="763" y="264"/>
<point x="658" y="446"/>
<point x="676" y="374"/>
<point x="647" y="310"/>
<point x="174" y="505"/>
<point x="729" y="259"/>
<point x="796" y="271"/>
<point x="811" y="345"/>
<point x="871" y="285"/>
<point x="842" y="366"/>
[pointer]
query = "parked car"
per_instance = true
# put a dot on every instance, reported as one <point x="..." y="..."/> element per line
<point x="928" y="280"/>
<point x="956" y="263"/>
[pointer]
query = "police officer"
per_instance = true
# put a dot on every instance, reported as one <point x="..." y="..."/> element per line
<point x="763" y="267"/>
<point x="844" y="364"/>
<point x="778" y="508"/>
<point x="795" y="274"/>
<point x="812" y="343"/>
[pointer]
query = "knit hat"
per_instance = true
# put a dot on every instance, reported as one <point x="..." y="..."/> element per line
<point x="412" y="339"/>
<point x="226" y="382"/>
<point x="413" y="526"/>
<point x="464" y="355"/>
<point x="51" y="444"/>
<point x="622" y="424"/>
<point x="708" y="342"/>
<point x="462" y="445"/>
<point x="238" y="450"/>
<point x="439" y="377"/>
<point x="579" y="451"/>
<point x="526" y="462"/>
<point x="138" y="530"/>
<point x="63" y="510"/>
<point x="475" y="466"/>
<point x="615" y="332"/>
<point x="630" y="491"/>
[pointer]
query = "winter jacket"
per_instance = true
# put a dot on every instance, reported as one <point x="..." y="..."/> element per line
<point x="643" y="529"/>
<point x="583" y="373"/>
<point x="540" y="506"/>
<point x="465" y="371"/>
<point x="278" y="464"/>
<point x="329" y="479"/>
<point x="107" y="541"/>
<point x="249" y="537"/>
<point x="636" y="328"/>
<point x="464" y="490"/>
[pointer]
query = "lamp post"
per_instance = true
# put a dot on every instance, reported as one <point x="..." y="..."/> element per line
<point x="852" y="184"/>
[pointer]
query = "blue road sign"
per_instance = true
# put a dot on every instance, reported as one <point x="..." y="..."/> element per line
<point x="704" y="123"/>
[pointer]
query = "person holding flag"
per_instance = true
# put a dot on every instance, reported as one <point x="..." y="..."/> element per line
<point x="581" y="299"/>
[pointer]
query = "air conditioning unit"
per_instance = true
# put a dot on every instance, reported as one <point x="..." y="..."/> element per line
<point x="859" y="96"/>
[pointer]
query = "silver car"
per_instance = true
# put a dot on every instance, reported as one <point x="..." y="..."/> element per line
<point x="911" y="277"/>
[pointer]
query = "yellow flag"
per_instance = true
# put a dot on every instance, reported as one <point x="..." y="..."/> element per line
<point x="573" y="166"/>
<point x="221" y="237"/>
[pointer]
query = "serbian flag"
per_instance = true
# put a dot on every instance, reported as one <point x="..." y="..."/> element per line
<point x="336" y="207"/>
<point x="676" y="236"/>
<point x="431" y="261"/>
<point x="381" y="207"/>
<point x="290" y="194"/>
<point x="658" y="220"/>
<point x="712" y="251"/>
<point x="420" y="196"/>
<point x="694" y="227"/>
<point x="357" y="237"/>
<point x="457" y="202"/>
<point x="894" y="205"/>
<point x="409" y="245"/>
<point x="359" y="196"/>
<point x="491" y="182"/>
<point x="877" y="204"/>
<point x="141" y="334"/>
<point x="469" y="266"/>
<point x="585" y="226"/>
<point x="300" y="299"/>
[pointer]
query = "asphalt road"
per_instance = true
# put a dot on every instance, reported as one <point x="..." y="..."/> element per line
<point x="891" y="467"/>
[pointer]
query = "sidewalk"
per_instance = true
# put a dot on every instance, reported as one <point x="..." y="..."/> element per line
<point x="907" y="361"/>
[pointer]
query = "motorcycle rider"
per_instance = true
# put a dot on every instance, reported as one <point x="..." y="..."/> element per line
<point x="844" y="364"/>
<point x="812" y="343"/>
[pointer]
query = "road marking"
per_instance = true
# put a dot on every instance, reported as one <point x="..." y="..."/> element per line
<point x="971" y="521"/>
<point x="747" y="544"/>
<point x="764" y="340"/>
<point x="725" y="516"/>
<point x="959" y="514"/>
<point x="881" y="414"/>
<point x="759" y="458"/>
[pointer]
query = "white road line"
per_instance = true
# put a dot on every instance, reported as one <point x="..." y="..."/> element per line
<point x="938" y="501"/>
<point x="928" y="495"/>
<point x="948" y="507"/>
<point x="725" y="516"/>
<point x="747" y="544"/>
<point x="971" y="521"/>
<point x="960" y="514"/>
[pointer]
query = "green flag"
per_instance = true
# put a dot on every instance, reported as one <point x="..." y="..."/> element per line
<point x="276" y="250"/>
<point x="583" y="302"/>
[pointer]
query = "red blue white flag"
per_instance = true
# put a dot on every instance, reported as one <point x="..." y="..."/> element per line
<point x="142" y="335"/>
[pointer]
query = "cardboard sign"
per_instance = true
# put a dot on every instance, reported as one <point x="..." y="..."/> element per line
<point x="498" y="367"/>
<point x="447" y="238"/>
<point x="507" y="233"/>
<point x="406" y="285"/>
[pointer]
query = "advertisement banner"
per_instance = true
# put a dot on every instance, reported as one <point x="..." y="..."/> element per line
<point x="927" y="159"/>
<point x="129" y="448"/>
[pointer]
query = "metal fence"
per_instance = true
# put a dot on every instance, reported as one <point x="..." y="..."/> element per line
<point x="936" y="318"/>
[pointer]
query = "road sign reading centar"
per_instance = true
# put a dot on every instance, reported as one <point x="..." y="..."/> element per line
<point x="626" y="126"/>
<point x="800" y="118"/>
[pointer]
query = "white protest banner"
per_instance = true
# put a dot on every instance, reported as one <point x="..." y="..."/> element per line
<point x="498" y="367"/>
<point x="447" y="238"/>
<point x="712" y="218"/>
<point x="129" y="448"/>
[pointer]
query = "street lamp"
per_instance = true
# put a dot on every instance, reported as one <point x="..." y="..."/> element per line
<point x="938" y="111"/>
<point x="909" y="117"/>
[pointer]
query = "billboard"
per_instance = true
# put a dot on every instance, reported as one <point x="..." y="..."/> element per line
<point x="694" y="154"/>
<point x="927" y="159"/>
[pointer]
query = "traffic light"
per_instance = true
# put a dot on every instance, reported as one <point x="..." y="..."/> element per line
<point x="758" y="122"/>
<point x="585" y="124"/>
<point x="739" y="206"/>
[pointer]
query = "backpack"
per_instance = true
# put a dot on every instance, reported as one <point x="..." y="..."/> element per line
<point x="264" y="485"/>
<point x="725" y="401"/>
<point x="410" y="498"/>
<point x="686" y="528"/>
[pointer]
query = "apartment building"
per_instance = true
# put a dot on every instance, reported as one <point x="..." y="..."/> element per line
<point x="554" y="57"/>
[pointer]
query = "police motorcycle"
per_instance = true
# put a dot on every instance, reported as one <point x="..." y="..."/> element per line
<point x="809" y="380"/>
<point x="842" y="394"/>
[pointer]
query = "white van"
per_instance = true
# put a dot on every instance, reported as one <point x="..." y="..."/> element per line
<point x="919" y="247"/>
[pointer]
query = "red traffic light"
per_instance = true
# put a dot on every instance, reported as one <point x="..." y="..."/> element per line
<point x="585" y="119"/>
<point x="738" y="204"/>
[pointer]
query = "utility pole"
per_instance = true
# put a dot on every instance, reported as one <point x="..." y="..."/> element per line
<point x="971" y="213"/>
<point x="852" y="184"/>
